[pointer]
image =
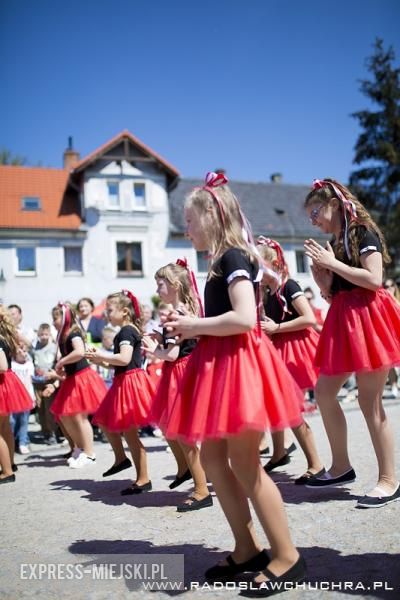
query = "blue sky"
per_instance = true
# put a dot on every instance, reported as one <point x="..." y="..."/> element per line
<point x="254" y="86"/>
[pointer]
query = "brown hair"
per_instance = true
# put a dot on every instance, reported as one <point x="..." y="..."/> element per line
<point x="179" y="277"/>
<point x="220" y="235"/>
<point x="73" y="325"/>
<point x="8" y="331"/>
<point x="324" y="195"/>
<point x="123" y="301"/>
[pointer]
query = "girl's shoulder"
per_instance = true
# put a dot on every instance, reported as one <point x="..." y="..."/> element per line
<point x="129" y="332"/>
<point x="234" y="259"/>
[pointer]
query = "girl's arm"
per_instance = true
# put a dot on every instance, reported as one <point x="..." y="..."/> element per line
<point x="3" y="361"/>
<point x="369" y="276"/>
<point x="240" y="319"/>
<point x="170" y="353"/>
<point x="77" y="353"/>
<point x="305" y="319"/>
<point x="121" y="359"/>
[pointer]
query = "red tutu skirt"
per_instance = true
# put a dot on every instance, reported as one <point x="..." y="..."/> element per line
<point x="166" y="408"/>
<point x="127" y="403"/>
<point x="79" y="393"/>
<point x="361" y="333"/>
<point x="297" y="349"/>
<point x="13" y="395"/>
<point x="233" y="384"/>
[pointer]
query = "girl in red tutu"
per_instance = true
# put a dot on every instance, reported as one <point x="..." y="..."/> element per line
<point x="289" y="321"/>
<point x="361" y="332"/>
<point x="81" y="391"/>
<point x="126" y="406"/>
<point x="13" y="395"/>
<point x="235" y="387"/>
<point x="176" y="286"/>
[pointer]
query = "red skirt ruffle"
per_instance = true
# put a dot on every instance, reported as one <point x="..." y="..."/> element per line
<point x="80" y="393"/>
<point x="361" y="333"/>
<point x="297" y="349"/>
<point x="127" y="403"/>
<point x="13" y="395"/>
<point x="233" y="384"/>
<point x="166" y="408"/>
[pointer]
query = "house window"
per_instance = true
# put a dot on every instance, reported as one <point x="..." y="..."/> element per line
<point x="72" y="259"/>
<point x="113" y="194"/>
<point x="139" y="195"/>
<point x="26" y="261"/>
<point x="31" y="203"/>
<point x="202" y="262"/>
<point x="301" y="262"/>
<point x="129" y="259"/>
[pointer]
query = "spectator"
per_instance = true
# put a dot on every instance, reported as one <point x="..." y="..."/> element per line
<point x="93" y="326"/>
<point x="148" y="321"/>
<point x="23" y="368"/>
<point x="318" y="312"/>
<point x="44" y="355"/>
<point x="25" y="334"/>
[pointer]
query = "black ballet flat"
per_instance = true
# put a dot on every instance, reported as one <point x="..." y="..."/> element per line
<point x="195" y="504"/>
<point x="179" y="480"/>
<point x="137" y="489"/>
<point x="225" y="572"/>
<point x="13" y="467"/>
<point x="8" y="479"/>
<point x="270" y="466"/>
<point x="277" y="584"/>
<point x="125" y="464"/>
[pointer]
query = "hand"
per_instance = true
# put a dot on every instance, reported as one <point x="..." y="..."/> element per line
<point x="323" y="278"/>
<point x="269" y="326"/>
<point x="51" y="374"/>
<point x="59" y="367"/>
<point x="149" y="344"/>
<point x="182" y="327"/>
<point x="321" y="257"/>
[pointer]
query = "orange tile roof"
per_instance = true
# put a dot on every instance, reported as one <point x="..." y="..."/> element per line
<point x="58" y="207"/>
<point x="136" y="142"/>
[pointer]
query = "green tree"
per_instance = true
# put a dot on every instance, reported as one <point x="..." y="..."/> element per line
<point x="377" y="150"/>
<point x="6" y="158"/>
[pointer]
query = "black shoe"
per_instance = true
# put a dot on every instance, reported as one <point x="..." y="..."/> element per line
<point x="378" y="501"/>
<point x="125" y="464"/>
<point x="291" y="449"/>
<point x="265" y="451"/>
<point x="308" y="476"/>
<point x="225" y="572"/>
<point x="179" y="480"/>
<point x="277" y="584"/>
<point x="270" y="466"/>
<point x="50" y="440"/>
<point x="328" y="481"/>
<point x="8" y="479"/>
<point x="13" y="467"/>
<point x="137" y="489"/>
<point x="195" y="504"/>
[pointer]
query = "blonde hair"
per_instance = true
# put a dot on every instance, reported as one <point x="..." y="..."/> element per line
<point x="221" y="233"/>
<point x="324" y="195"/>
<point x="179" y="278"/>
<point x="8" y="331"/>
<point x="123" y="301"/>
<point x="57" y="311"/>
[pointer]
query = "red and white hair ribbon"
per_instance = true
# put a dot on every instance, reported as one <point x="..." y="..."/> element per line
<point x="282" y="265"/>
<point x="182" y="262"/>
<point x="212" y="181"/>
<point x="66" y="320"/>
<point x="135" y="302"/>
<point x="348" y="207"/>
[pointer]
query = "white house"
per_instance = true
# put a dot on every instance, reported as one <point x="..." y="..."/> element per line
<point x="110" y="220"/>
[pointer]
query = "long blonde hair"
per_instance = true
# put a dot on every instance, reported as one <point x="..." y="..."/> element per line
<point x="179" y="278"/>
<point x="324" y="195"/>
<point x="224" y="232"/>
<point x="8" y="331"/>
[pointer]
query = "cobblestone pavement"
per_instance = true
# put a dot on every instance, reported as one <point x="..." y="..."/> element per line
<point x="57" y="515"/>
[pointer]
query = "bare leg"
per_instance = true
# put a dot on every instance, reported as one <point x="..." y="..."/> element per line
<point x="370" y="389"/>
<point x="192" y="454"/>
<point x="9" y="438"/>
<point x="81" y="432"/>
<point x="278" y="441"/>
<point x="179" y="456"/>
<point x="117" y="446"/>
<point x="5" y="459"/>
<point x="138" y="455"/>
<point x="334" y="421"/>
<point x="305" y="437"/>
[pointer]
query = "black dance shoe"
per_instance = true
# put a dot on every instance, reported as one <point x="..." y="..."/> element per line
<point x="225" y="572"/>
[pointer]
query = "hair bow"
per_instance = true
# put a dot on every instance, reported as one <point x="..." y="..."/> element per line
<point x="182" y="262"/>
<point x="66" y="320"/>
<point x="215" y="179"/>
<point x="135" y="302"/>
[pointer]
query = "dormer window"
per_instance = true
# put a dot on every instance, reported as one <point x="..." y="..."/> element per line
<point x="31" y="203"/>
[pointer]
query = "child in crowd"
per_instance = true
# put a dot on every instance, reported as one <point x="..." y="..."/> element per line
<point x="44" y="354"/>
<point x="23" y="367"/>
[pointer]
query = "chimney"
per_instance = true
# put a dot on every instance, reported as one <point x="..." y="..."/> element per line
<point x="70" y="156"/>
<point x="276" y="178"/>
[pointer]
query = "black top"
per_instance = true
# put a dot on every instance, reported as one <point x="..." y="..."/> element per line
<point x="6" y="350"/>
<point x="273" y="306"/>
<point x="95" y="329"/>
<point x="368" y="242"/>
<point x="128" y="336"/>
<point x="66" y="347"/>
<point x="232" y="264"/>
<point x="185" y="348"/>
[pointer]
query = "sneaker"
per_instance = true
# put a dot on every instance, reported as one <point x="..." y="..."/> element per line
<point x="24" y="450"/>
<point x="157" y="433"/>
<point x="378" y="501"/>
<point x="326" y="480"/>
<point x="75" y="454"/>
<point x="83" y="460"/>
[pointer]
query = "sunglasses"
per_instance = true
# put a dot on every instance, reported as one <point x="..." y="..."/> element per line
<point x="314" y="214"/>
